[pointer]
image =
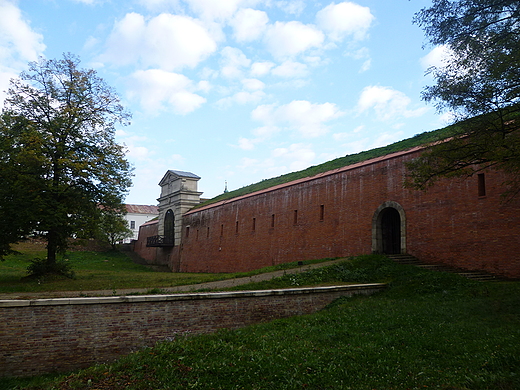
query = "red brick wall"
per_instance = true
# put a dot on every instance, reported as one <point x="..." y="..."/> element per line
<point x="449" y="223"/>
<point x="43" y="336"/>
<point x="155" y="255"/>
<point x="147" y="230"/>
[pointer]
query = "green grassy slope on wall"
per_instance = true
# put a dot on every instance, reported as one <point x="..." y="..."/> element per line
<point x="417" y="140"/>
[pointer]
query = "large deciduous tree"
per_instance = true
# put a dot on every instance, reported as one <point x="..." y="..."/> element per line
<point x="60" y="166"/>
<point x="479" y="83"/>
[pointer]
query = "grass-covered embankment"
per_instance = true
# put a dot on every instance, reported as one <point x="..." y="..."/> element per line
<point x="112" y="270"/>
<point x="417" y="140"/>
<point x="427" y="330"/>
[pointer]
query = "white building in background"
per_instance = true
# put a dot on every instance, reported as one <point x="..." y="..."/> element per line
<point x="136" y="215"/>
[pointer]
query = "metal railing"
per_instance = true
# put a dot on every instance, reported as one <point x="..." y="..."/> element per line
<point x="159" y="241"/>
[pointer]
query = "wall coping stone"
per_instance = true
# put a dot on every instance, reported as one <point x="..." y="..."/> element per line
<point x="6" y="303"/>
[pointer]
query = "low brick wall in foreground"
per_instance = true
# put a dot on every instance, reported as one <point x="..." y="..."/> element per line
<point x="47" y="335"/>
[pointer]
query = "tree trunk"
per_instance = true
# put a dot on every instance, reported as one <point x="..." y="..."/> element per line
<point x="52" y="247"/>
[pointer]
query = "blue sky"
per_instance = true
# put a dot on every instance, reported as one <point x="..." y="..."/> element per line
<point x="238" y="91"/>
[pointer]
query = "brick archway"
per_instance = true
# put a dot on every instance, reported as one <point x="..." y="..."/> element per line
<point x="389" y="229"/>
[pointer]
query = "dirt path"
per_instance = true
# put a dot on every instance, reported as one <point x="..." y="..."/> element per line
<point x="191" y="287"/>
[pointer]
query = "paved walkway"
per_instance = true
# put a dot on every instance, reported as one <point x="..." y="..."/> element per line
<point x="186" y="288"/>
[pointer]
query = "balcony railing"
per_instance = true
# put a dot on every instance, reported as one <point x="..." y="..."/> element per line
<point x="161" y="241"/>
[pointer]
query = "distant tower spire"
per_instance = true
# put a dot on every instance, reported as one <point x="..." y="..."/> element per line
<point x="225" y="188"/>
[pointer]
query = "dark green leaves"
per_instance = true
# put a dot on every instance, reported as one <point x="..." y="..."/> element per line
<point x="479" y="84"/>
<point x="59" y="160"/>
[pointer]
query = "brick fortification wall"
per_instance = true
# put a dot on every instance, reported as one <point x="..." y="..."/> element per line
<point x="335" y="214"/>
<point x="154" y="255"/>
<point x="63" y="334"/>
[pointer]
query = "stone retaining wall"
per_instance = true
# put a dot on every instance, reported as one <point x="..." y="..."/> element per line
<point x="46" y="335"/>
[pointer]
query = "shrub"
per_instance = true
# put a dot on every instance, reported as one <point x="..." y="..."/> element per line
<point x="39" y="268"/>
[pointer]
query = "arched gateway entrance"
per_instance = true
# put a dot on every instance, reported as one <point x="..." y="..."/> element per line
<point x="169" y="228"/>
<point x="389" y="229"/>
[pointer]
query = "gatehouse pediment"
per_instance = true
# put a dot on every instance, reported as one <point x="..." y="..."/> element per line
<point x="172" y="175"/>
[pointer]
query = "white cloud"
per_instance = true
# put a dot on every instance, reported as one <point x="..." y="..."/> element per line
<point x="204" y="86"/>
<point x="215" y="10"/>
<point x="247" y="163"/>
<point x="265" y="132"/>
<point x="341" y="137"/>
<point x="344" y="137"/>
<point x="356" y="146"/>
<point x="233" y="61"/>
<point x="437" y="57"/>
<point x="121" y="133"/>
<point x="249" y="24"/>
<point x="293" y="7"/>
<point x="362" y="54"/>
<point x="19" y="44"/>
<point x="246" y="143"/>
<point x="242" y="97"/>
<point x="288" y="39"/>
<point x="156" y="88"/>
<point x="261" y="134"/>
<point x="138" y="152"/>
<point x="155" y="5"/>
<point x="261" y="68"/>
<point x="296" y="156"/>
<point x="291" y="69"/>
<point x="253" y="84"/>
<point x="176" y="158"/>
<point x="88" y="2"/>
<point x="208" y="73"/>
<point x="126" y="40"/>
<point x="134" y="144"/>
<point x="166" y="41"/>
<point x="366" y="66"/>
<point x="306" y="118"/>
<point x="345" y="19"/>
<point x="177" y="41"/>
<point x="387" y="103"/>
<point x="447" y="118"/>
<point x="386" y="139"/>
<point x="282" y="160"/>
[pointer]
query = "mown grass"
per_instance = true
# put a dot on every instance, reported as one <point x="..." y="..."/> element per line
<point x="360" y="269"/>
<point x="427" y="330"/>
<point x="111" y="270"/>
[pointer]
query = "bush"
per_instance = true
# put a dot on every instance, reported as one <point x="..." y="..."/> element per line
<point x="40" y="268"/>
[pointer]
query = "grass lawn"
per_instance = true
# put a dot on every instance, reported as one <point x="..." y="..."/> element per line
<point x="111" y="270"/>
<point x="427" y="330"/>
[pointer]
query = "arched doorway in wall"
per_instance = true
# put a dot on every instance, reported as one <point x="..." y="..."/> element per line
<point x="389" y="229"/>
<point x="169" y="228"/>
